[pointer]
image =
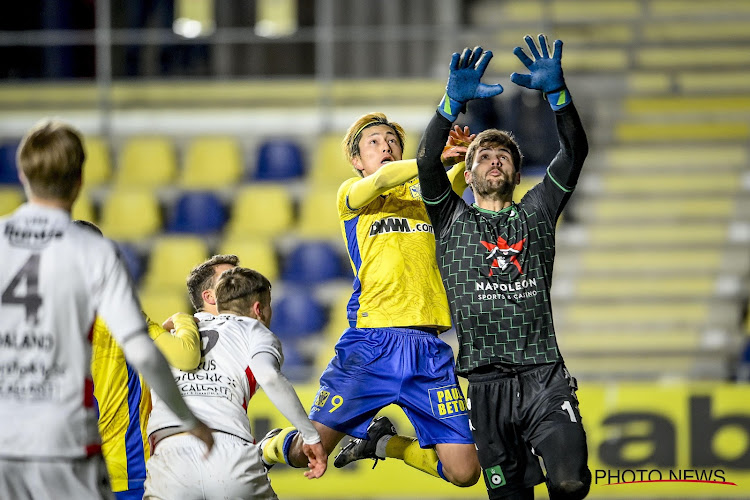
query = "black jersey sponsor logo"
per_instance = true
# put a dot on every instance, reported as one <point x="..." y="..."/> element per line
<point x="503" y="254"/>
<point x="398" y="225"/>
<point x="30" y="237"/>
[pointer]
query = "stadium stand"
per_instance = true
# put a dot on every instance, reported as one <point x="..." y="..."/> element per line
<point x="279" y="160"/>
<point x="198" y="212"/>
<point x="10" y="199"/>
<point x="253" y="252"/>
<point x="261" y="211"/>
<point x="313" y="262"/>
<point x="97" y="169"/>
<point x="8" y="172"/>
<point x="146" y="162"/>
<point x="171" y="259"/>
<point x="211" y="162"/>
<point x="130" y="214"/>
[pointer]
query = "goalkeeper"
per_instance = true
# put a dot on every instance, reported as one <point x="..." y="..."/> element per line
<point x="496" y="258"/>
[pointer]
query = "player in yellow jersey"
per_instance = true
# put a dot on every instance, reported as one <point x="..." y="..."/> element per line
<point x="391" y="354"/>
<point x="124" y="400"/>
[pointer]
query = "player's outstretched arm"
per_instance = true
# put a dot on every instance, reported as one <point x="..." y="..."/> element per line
<point x="546" y="74"/>
<point x="182" y="349"/>
<point x="279" y="390"/>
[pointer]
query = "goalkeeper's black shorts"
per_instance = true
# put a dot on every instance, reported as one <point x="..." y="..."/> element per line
<point x="513" y="409"/>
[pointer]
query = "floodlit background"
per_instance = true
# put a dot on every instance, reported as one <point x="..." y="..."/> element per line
<point x="213" y="126"/>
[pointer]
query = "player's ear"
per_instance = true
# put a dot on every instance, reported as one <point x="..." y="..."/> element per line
<point x="257" y="310"/>
<point x="518" y="178"/>
<point x="208" y="297"/>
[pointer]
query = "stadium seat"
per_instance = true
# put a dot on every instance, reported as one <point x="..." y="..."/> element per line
<point x="8" y="172"/>
<point x="260" y="211"/>
<point x="296" y="315"/>
<point x="171" y="259"/>
<point x="161" y="303"/>
<point x="10" y="199"/>
<point x="312" y="262"/>
<point x="200" y="212"/>
<point x="329" y="165"/>
<point x="295" y="367"/>
<point x="133" y="261"/>
<point x="130" y="214"/>
<point x="97" y="168"/>
<point x="83" y="208"/>
<point x="279" y="160"/>
<point x="146" y="162"/>
<point x="255" y="253"/>
<point x="212" y="163"/>
<point x="318" y="217"/>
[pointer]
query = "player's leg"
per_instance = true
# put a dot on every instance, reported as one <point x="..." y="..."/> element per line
<point x="560" y="438"/>
<point x="434" y="403"/>
<point x="509" y="468"/>
<point x="357" y="383"/>
<point x="285" y="445"/>
<point x="76" y="478"/>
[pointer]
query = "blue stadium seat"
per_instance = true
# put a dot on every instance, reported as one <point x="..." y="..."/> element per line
<point x="279" y="159"/>
<point x="297" y="314"/>
<point x="313" y="262"/>
<point x="8" y="172"/>
<point x="133" y="260"/>
<point x="200" y="212"/>
<point x="295" y="367"/>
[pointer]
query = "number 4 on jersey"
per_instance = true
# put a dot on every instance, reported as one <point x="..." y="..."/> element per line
<point x="31" y="301"/>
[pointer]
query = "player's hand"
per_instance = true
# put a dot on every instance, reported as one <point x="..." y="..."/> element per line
<point x="202" y="432"/>
<point x="458" y="143"/>
<point x="318" y="460"/>
<point x="464" y="81"/>
<point x="546" y="72"/>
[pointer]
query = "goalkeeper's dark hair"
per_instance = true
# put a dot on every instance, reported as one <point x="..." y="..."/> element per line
<point x="239" y="288"/>
<point x="353" y="135"/>
<point x="495" y="138"/>
<point x="201" y="278"/>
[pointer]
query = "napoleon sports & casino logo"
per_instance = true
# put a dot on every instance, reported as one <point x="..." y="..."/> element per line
<point x="708" y="464"/>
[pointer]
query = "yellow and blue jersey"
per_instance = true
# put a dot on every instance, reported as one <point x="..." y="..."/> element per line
<point x="391" y="248"/>
<point x="124" y="401"/>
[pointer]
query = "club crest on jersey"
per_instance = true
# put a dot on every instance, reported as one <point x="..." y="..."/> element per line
<point x="416" y="192"/>
<point x="321" y="398"/>
<point x="502" y="254"/>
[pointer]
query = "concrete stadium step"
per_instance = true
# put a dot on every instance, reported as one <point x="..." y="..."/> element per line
<point x="572" y="237"/>
<point x="626" y="183"/>
<point x="660" y="208"/>
<point x="659" y="157"/>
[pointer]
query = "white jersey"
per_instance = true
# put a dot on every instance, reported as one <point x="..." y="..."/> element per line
<point x="219" y="389"/>
<point x="55" y="278"/>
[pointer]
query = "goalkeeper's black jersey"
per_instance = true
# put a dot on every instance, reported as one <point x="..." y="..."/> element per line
<point x="497" y="266"/>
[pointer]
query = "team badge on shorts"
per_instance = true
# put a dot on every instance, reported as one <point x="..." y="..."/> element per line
<point x="321" y="398"/>
<point x="495" y="476"/>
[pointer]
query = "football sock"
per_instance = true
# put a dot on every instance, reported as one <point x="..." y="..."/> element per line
<point x="276" y="449"/>
<point x="408" y="449"/>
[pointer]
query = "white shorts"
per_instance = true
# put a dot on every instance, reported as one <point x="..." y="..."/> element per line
<point x="178" y="470"/>
<point x="53" y="479"/>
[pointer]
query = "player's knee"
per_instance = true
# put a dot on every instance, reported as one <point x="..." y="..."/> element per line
<point x="569" y="489"/>
<point x="463" y="476"/>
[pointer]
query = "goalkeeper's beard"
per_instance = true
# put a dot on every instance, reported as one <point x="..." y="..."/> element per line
<point x="495" y="188"/>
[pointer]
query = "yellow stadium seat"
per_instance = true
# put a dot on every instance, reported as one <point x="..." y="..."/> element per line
<point x="130" y="214"/>
<point x="212" y="162"/>
<point x="318" y="216"/>
<point x="161" y="303"/>
<point x="83" y="208"/>
<point x="329" y="164"/>
<point x="97" y="169"/>
<point x="147" y="162"/>
<point x="10" y="199"/>
<point x="255" y="253"/>
<point x="172" y="258"/>
<point x="260" y="211"/>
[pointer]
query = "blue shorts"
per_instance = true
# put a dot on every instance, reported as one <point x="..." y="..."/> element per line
<point x="375" y="367"/>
